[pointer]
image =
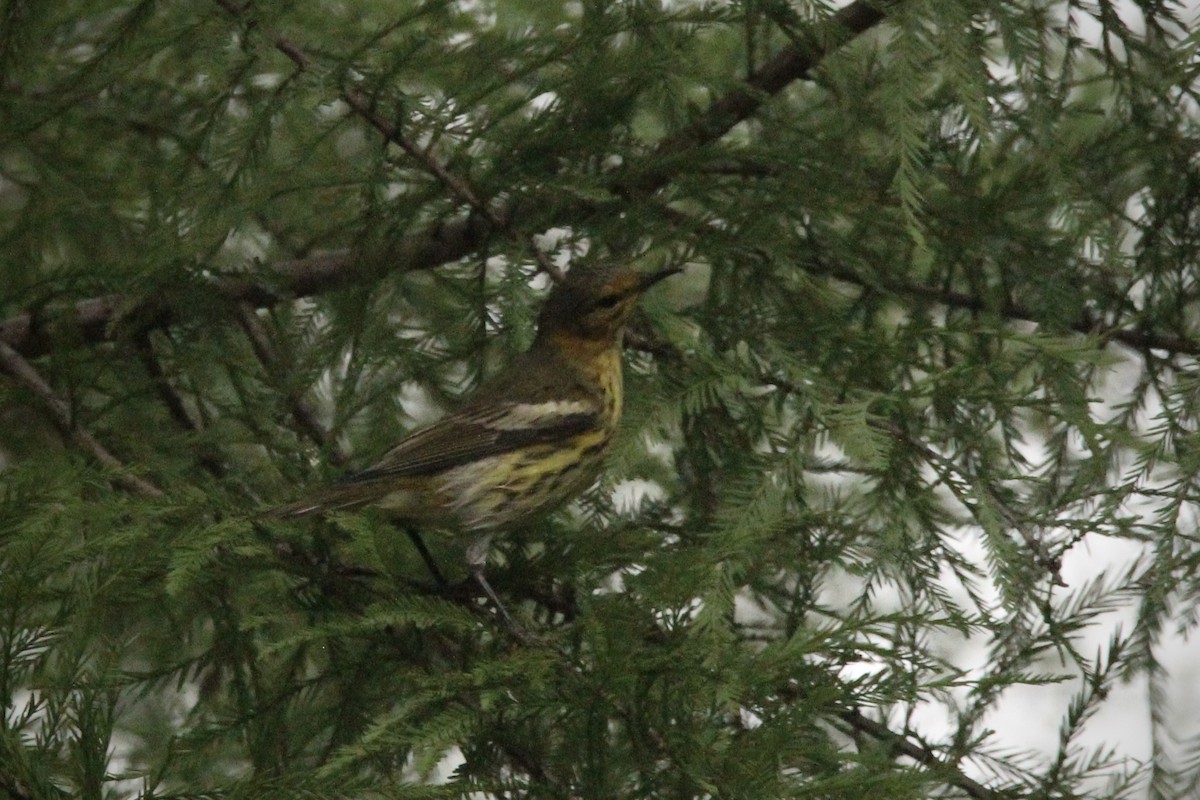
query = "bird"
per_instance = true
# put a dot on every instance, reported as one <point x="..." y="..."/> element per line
<point x="527" y="441"/>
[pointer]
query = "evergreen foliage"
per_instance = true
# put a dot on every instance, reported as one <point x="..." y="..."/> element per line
<point x="910" y="448"/>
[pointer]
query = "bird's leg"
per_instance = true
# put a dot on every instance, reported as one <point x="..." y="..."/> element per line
<point x="427" y="557"/>
<point x="477" y="561"/>
<point x="477" y="574"/>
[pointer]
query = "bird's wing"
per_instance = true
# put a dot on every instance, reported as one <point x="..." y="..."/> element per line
<point x="478" y="432"/>
<point x="475" y="432"/>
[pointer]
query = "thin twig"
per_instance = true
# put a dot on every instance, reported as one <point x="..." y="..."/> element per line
<point x="166" y="392"/>
<point x="963" y="488"/>
<point x="921" y="753"/>
<point x="174" y="403"/>
<point x="494" y="214"/>
<point x="362" y="106"/>
<point x="278" y="367"/>
<point x="60" y="413"/>
<point x="1015" y="312"/>
<point x="458" y="186"/>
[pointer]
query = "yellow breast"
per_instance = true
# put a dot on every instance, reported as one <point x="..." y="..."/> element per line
<point x="607" y="374"/>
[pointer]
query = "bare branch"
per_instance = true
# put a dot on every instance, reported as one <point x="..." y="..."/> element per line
<point x="60" y="413"/>
<point x="94" y="320"/>
<point x="90" y="321"/>
<point x="789" y="65"/>
<point x="921" y="753"/>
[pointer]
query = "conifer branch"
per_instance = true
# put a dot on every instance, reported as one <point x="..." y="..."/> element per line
<point x="1085" y="324"/>
<point x="60" y="414"/>
<point x="89" y="321"/>
<point x="176" y="409"/>
<point x="95" y="319"/>
<point x="447" y="239"/>
<point x="174" y="403"/>
<point x="277" y="366"/>
<point x="494" y="214"/>
<point x="921" y="753"/>
<point x="790" y="64"/>
<point x="971" y="492"/>
<point x="359" y="103"/>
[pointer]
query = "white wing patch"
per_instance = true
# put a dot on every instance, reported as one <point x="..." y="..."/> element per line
<point x="520" y="416"/>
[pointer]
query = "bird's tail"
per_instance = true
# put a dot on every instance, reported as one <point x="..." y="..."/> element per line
<point x="335" y="498"/>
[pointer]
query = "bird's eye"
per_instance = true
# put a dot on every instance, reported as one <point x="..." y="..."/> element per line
<point x="608" y="301"/>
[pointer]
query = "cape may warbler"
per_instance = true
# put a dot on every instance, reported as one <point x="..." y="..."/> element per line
<point x="527" y="441"/>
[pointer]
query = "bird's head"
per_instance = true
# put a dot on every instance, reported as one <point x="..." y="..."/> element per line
<point x="592" y="305"/>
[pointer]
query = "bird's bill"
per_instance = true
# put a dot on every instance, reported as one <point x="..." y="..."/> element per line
<point x="651" y="278"/>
